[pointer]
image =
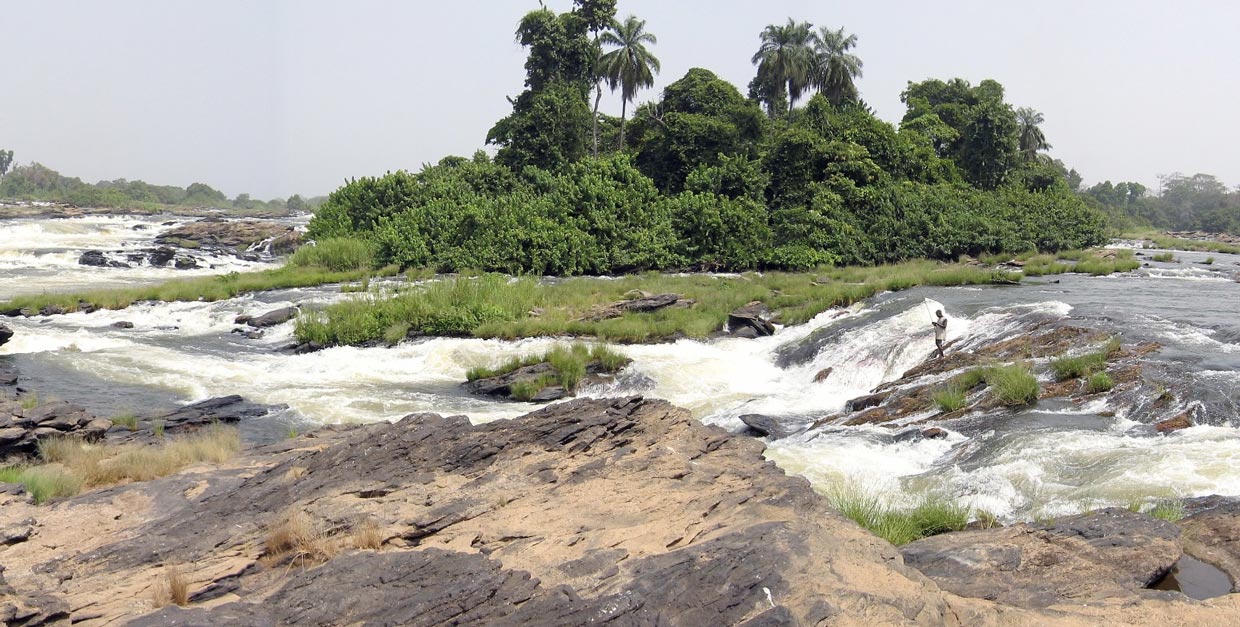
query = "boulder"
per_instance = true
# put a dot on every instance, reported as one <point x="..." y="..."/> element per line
<point x="752" y="316"/>
<point x="123" y="324"/>
<point x="501" y="385"/>
<point x="1111" y="553"/>
<point x="227" y="409"/>
<point x="934" y="433"/>
<point x="186" y="263"/>
<point x="6" y="334"/>
<point x="272" y="318"/>
<point x="97" y="259"/>
<point x="51" y="310"/>
<point x="823" y="374"/>
<point x="21" y="429"/>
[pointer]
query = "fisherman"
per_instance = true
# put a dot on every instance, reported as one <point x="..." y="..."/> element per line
<point x="940" y="331"/>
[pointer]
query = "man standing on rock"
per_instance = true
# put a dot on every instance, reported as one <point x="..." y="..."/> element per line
<point x="940" y="331"/>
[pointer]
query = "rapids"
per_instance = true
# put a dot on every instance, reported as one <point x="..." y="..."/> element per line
<point x="1052" y="459"/>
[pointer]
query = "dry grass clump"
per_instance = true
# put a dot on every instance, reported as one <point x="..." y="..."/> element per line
<point x="297" y="538"/>
<point x="97" y="465"/>
<point x="173" y="590"/>
<point x="367" y="535"/>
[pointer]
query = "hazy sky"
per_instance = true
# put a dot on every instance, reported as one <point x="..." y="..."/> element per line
<point x="281" y="97"/>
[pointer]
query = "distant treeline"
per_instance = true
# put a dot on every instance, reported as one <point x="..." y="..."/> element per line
<point x="707" y="177"/>
<point x="1199" y="202"/>
<point x="38" y="182"/>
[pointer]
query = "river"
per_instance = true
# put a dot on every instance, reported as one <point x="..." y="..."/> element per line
<point x="1055" y="458"/>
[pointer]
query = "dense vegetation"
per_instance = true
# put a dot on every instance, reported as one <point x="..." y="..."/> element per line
<point x="38" y="182"/>
<point x="708" y="178"/>
<point x="1199" y="202"/>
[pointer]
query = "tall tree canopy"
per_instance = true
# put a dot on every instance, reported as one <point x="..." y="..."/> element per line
<point x="1031" y="138"/>
<point x="630" y="66"/>
<point x="835" y="67"/>
<point x="986" y="147"/>
<point x="786" y="58"/>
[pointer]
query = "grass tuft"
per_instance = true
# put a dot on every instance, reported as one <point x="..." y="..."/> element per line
<point x="42" y="482"/>
<point x="173" y="590"/>
<point x="1164" y="257"/>
<point x="950" y="399"/>
<point x="338" y="254"/>
<point x="1014" y="385"/>
<point x="298" y="538"/>
<point x="933" y="515"/>
<point x="366" y="535"/>
<point x="1100" y="382"/>
<point x="1168" y="510"/>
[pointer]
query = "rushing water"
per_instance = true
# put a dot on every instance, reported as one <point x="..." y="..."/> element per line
<point x="1052" y="459"/>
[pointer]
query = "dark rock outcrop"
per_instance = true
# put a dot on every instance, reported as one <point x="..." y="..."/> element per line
<point x="750" y="321"/>
<point x="1107" y="554"/>
<point x="21" y="429"/>
<point x="186" y="263"/>
<point x="31" y="610"/>
<point x="272" y="318"/>
<point x="501" y="385"/>
<point x="774" y="426"/>
<point x="639" y="304"/>
<point x="6" y="334"/>
<point x="231" y="237"/>
<point x="161" y="256"/>
<point x="1180" y="421"/>
<point x="98" y="259"/>
<point x="123" y="324"/>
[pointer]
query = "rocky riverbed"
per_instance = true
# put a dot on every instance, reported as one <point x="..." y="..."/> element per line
<point x="620" y="510"/>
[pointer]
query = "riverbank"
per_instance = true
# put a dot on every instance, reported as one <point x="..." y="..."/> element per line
<point x="431" y="519"/>
<point x="1190" y="241"/>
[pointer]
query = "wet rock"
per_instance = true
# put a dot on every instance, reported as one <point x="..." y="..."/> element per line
<point x="305" y="348"/>
<point x="642" y="304"/>
<point x="753" y="316"/>
<point x="232" y="237"/>
<point x="86" y="308"/>
<point x="934" y="433"/>
<point x="242" y="319"/>
<point x="51" y="310"/>
<point x="186" y="263"/>
<point x="773" y="426"/>
<point x="97" y="259"/>
<point x="1213" y="536"/>
<point x="501" y="385"/>
<point x="161" y="256"/>
<point x="1180" y="421"/>
<point x="866" y="402"/>
<point x="6" y="334"/>
<point x="123" y="324"/>
<point x="8" y="373"/>
<point x="550" y="393"/>
<point x="1111" y="553"/>
<point x="227" y="409"/>
<point x="272" y="318"/>
<point x="823" y="374"/>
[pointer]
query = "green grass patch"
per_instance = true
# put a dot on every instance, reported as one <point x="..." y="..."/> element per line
<point x="569" y="363"/>
<point x="1100" y="382"/>
<point x="1168" y="510"/>
<point x="29" y="400"/>
<point x="950" y="399"/>
<point x="1208" y="262"/>
<point x="1085" y="365"/>
<point x="42" y="482"/>
<point x="498" y="306"/>
<point x="339" y="254"/>
<point x="933" y="515"/>
<point x="1014" y="385"/>
<point x="129" y="421"/>
<point x="208" y="288"/>
<point x="1164" y="257"/>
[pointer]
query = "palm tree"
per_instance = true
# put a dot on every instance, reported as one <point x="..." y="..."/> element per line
<point x="786" y="56"/>
<point x="1031" y="138"/>
<point x="835" y="67"/>
<point x="630" y="66"/>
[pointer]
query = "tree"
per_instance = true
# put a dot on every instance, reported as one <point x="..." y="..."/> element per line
<point x="295" y="203"/>
<point x="1031" y="138"/>
<point x="6" y="158"/>
<point x="630" y="66"/>
<point x="786" y="58"/>
<point x="834" y="67"/>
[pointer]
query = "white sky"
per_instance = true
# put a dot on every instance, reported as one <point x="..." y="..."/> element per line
<point x="294" y="96"/>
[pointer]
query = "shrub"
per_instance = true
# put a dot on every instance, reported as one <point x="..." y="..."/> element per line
<point x="1013" y="385"/>
<point x="1100" y="382"/>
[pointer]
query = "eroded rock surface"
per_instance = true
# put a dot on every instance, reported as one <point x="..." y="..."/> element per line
<point x="1213" y="536"/>
<point x="1107" y="554"/>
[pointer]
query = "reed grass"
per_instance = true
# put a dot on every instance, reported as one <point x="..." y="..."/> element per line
<point x="338" y="254"/>
<point x="1013" y="385"/>
<point x="1100" y="382"/>
<point x="950" y="399"/>
<point x="1164" y="257"/>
